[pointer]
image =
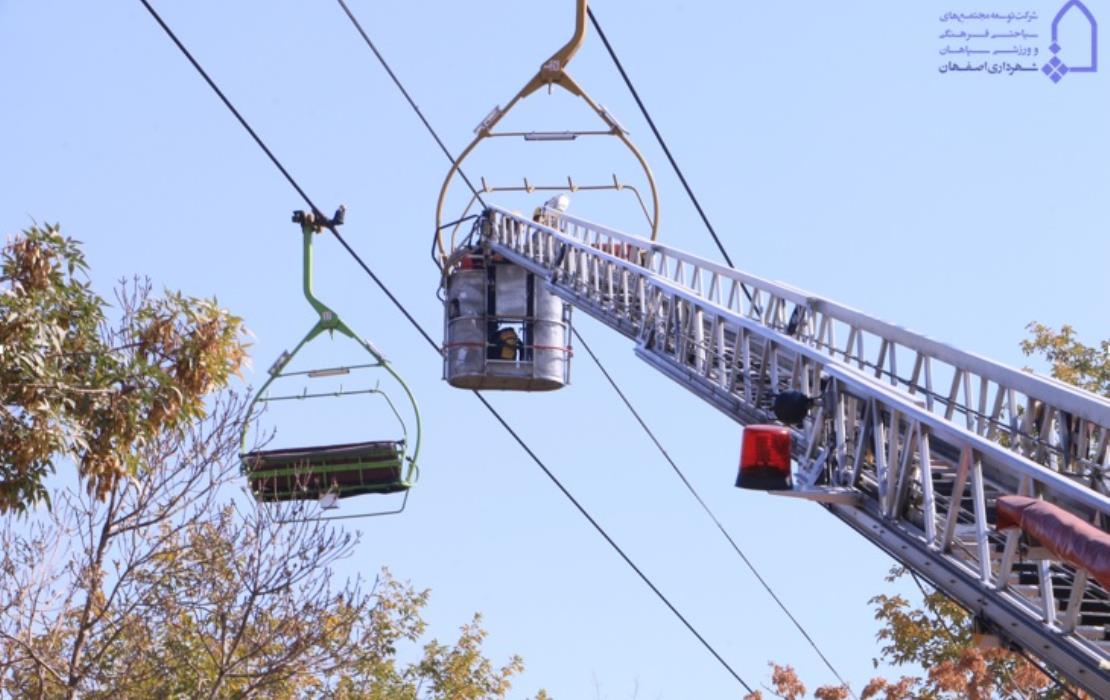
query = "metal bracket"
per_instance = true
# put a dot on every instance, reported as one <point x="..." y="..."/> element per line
<point x="832" y="494"/>
<point x="317" y="221"/>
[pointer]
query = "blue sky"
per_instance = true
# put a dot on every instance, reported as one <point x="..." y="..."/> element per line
<point x="824" y="143"/>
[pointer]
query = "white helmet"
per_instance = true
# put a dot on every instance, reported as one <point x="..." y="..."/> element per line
<point x="560" y="202"/>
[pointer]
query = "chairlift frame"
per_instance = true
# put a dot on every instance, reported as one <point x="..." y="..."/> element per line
<point x="530" y="187"/>
<point x="282" y="465"/>
<point x="552" y="72"/>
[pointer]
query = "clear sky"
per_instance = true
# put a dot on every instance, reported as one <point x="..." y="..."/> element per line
<point x="824" y="141"/>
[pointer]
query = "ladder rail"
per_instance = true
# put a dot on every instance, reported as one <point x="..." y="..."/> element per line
<point x="995" y="398"/>
<point x="851" y="377"/>
<point x="922" y="456"/>
<point x="1046" y="389"/>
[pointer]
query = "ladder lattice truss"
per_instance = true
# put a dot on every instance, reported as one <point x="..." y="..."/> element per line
<point x="910" y="444"/>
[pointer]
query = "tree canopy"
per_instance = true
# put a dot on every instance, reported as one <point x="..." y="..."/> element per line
<point x="157" y="576"/>
<point x="73" y="385"/>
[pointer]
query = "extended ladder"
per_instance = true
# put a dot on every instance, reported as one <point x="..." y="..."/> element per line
<point x="910" y="442"/>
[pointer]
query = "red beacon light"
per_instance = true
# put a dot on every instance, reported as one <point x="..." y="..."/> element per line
<point x="765" y="458"/>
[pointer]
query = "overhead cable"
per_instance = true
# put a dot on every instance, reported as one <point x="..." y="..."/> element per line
<point x="396" y="302"/>
<point x="663" y="145"/>
<point x="705" y="507"/>
<point x="431" y="130"/>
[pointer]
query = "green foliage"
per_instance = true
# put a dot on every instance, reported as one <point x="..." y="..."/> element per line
<point x="460" y="672"/>
<point x="940" y="638"/>
<point x="928" y="635"/>
<point x="457" y="671"/>
<point x="71" y="384"/>
<point x="152" y="580"/>
<point x="1073" y="362"/>
<point x="785" y="684"/>
<point x="175" y="589"/>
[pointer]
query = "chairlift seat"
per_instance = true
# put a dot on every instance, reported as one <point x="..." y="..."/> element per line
<point x="306" y="473"/>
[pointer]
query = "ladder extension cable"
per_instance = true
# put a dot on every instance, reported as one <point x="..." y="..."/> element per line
<point x="663" y="145"/>
<point x="705" y="506"/>
<point x="396" y="302"/>
<point x="431" y="130"/>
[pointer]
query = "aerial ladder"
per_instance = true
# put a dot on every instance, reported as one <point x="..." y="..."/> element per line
<point x="989" y="482"/>
<point x="909" y="441"/>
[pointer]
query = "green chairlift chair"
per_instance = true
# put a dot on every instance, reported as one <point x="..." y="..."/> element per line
<point x="327" y="473"/>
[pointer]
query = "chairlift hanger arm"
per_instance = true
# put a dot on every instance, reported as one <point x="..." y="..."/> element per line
<point x="552" y="69"/>
<point x="552" y="72"/>
<point x="312" y="224"/>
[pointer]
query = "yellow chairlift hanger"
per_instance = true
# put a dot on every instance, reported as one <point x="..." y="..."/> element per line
<point x="551" y="73"/>
<point x="504" y="329"/>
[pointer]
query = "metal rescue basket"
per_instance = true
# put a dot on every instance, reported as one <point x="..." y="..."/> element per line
<point x="503" y="327"/>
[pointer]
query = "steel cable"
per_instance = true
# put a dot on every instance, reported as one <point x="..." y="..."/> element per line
<point x="400" y="306"/>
